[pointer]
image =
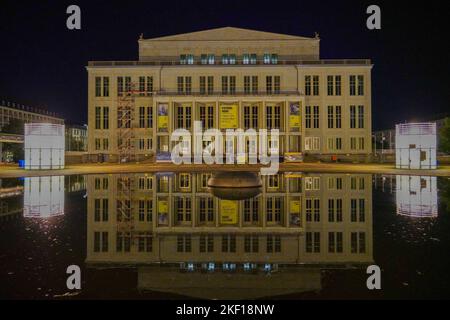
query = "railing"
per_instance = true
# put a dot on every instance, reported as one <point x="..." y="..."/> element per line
<point x="222" y="94"/>
<point x="176" y="62"/>
<point x="416" y="128"/>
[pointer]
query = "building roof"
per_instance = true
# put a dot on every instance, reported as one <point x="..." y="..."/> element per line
<point x="228" y="34"/>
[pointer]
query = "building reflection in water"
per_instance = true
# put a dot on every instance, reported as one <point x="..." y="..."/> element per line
<point x="416" y="196"/>
<point x="43" y="197"/>
<point x="185" y="240"/>
<point x="11" y="203"/>
<point x="235" y="185"/>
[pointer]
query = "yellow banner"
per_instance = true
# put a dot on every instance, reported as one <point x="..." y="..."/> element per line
<point x="295" y="206"/>
<point x="294" y="115"/>
<point x="163" y="206"/>
<point x="228" y="116"/>
<point x="163" y="117"/>
<point x="228" y="212"/>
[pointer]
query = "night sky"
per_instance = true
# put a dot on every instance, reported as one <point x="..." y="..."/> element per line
<point x="43" y="63"/>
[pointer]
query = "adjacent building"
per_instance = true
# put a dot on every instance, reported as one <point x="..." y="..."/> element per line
<point x="229" y="78"/>
<point x="76" y="137"/>
<point x="12" y="110"/>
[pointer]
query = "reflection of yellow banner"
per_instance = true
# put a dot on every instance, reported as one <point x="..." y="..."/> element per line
<point x="228" y="116"/>
<point x="228" y="211"/>
<point x="293" y="175"/>
<point x="163" y="122"/>
<point x="293" y="157"/>
<point x="295" y="206"/>
<point x="163" y="206"/>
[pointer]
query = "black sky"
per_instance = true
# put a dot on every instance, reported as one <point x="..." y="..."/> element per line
<point x="42" y="62"/>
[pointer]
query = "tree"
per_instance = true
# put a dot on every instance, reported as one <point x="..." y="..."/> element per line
<point x="444" y="136"/>
<point x="15" y="126"/>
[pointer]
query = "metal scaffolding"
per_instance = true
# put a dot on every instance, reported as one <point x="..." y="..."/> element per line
<point x="125" y="120"/>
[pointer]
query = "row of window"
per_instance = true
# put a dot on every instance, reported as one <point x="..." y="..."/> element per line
<point x="251" y="86"/>
<point x="247" y="58"/>
<point x="335" y="143"/>
<point x="228" y="244"/>
<point x="334" y="117"/>
<point x="334" y="183"/>
<point x="183" y="114"/>
<point x="273" y="212"/>
<point x="334" y="85"/>
<point x="335" y="210"/>
<point x="206" y="85"/>
<point x="184" y="181"/>
<point x="335" y="242"/>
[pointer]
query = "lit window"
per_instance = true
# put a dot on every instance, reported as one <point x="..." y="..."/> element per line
<point x="225" y="59"/>
<point x="211" y="59"/>
<point x="266" y="58"/>
<point x="190" y="59"/>
<point x="246" y="58"/>
<point x="204" y="59"/>
<point x="274" y="59"/>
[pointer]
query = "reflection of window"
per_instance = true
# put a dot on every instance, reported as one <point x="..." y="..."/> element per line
<point x="145" y="183"/>
<point x="251" y="210"/>
<point x="312" y="210"/>
<point x="206" y="209"/>
<point x="273" y="209"/>
<point x="101" y="210"/>
<point x="145" y="210"/>
<point x="334" y="210"/>
<point x="312" y="183"/>
<point x="274" y="182"/>
<point x="357" y="210"/>
<point x="228" y="243"/>
<point x="184" y="180"/>
<point x="206" y="243"/>
<point x="183" y="209"/>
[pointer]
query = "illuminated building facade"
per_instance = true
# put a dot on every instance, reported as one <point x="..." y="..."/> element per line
<point x="229" y="78"/>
